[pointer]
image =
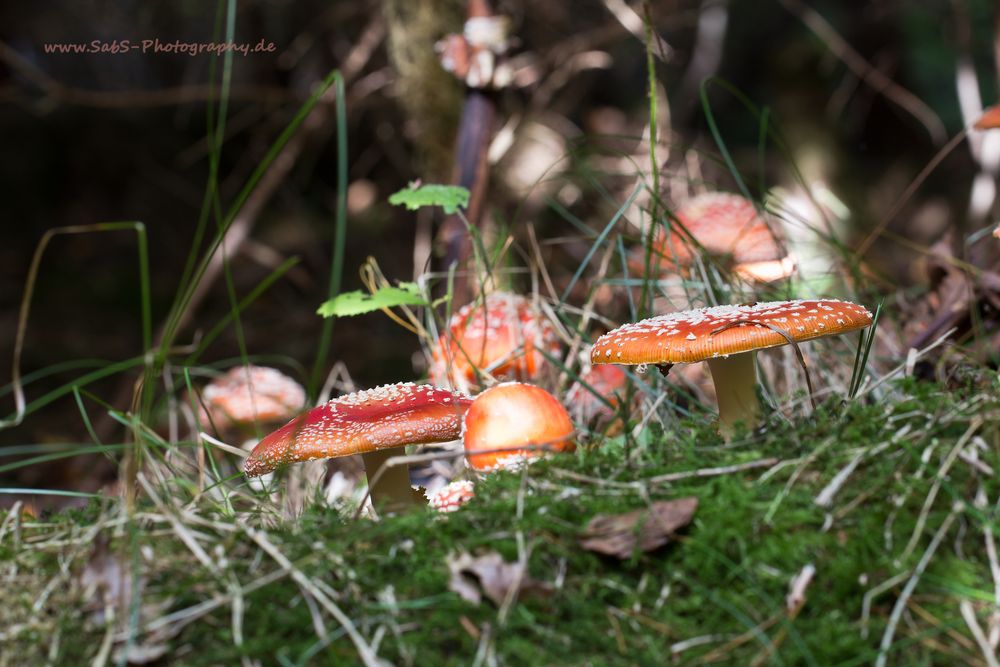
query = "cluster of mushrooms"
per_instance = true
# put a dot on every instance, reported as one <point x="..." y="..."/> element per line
<point x="504" y="336"/>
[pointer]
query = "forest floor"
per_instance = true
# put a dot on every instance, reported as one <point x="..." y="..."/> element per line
<point x="862" y="533"/>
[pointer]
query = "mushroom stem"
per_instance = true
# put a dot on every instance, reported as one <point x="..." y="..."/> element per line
<point x="391" y="492"/>
<point x="735" y="379"/>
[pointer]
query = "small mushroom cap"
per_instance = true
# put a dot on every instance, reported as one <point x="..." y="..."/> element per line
<point x="725" y="225"/>
<point x="990" y="120"/>
<point x="508" y="332"/>
<point x="607" y="380"/>
<point x="245" y="394"/>
<point x="510" y="415"/>
<point x="382" y="418"/>
<point x="452" y="496"/>
<point x="695" y="335"/>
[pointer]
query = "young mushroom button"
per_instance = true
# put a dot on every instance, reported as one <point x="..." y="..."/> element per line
<point x="512" y="422"/>
<point x="370" y="423"/>
<point x="727" y="337"/>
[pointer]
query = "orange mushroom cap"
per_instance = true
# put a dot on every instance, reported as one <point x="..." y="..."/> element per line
<point x="990" y="120"/>
<point x="512" y="415"/>
<point x="504" y="334"/>
<point x="704" y="333"/>
<point x="726" y="225"/>
<point x="253" y="393"/>
<point x="389" y="416"/>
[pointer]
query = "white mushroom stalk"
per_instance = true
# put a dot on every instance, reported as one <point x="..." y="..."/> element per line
<point x="735" y="379"/>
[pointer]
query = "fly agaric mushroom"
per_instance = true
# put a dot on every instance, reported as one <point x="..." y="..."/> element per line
<point x="501" y="336"/>
<point x="728" y="338"/>
<point x="604" y="380"/>
<point x="725" y="225"/>
<point x="248" y="394"/>
<point x="990" y="120"/>
<point x="512" y="415"/>
<point x="370" y="423"/>
<point x="451" y="496"/>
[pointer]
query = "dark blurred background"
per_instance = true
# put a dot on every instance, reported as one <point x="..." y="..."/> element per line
<point x="865" y="94"/>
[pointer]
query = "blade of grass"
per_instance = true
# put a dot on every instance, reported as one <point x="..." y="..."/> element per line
<point x="339" y="235"/>
<point x="865" y="343"/>
<point x="21" y="408"/>
<point x="599" y="241"/>
<point x="49" y="492"/>
<point x="244" y="303"/>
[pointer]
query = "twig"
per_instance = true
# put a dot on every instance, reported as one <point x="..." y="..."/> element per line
<point x="215" y="442"/>
<point x="941" y="474"/>
<point x="904" y="596"/>
<point x="969" y="614"/>
<point x="891" y="374"/>
<point x="713" y="472"/>
<point x="365" y="651"/>
<point x="825" y="496"/>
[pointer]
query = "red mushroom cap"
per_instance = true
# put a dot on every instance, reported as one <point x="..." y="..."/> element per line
<point x="514" y="415"/>
<point x="452" y="496"/>
<point x="389" y="416"/>
<point x="253" y="393"/>
<point x="704" y="333"/>
<point x="505" y="332"/>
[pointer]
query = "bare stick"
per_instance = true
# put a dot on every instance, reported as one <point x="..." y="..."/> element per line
<point x="969" y="614"/>
<point x="904" y="596"/>
<point x="365" y="651"/>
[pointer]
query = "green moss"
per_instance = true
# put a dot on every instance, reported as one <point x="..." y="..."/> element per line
<point x="728" y="574"/>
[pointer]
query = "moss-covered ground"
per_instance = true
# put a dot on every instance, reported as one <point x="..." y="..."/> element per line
<point x="909" y="531"/>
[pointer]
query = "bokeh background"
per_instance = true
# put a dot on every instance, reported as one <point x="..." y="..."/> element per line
<point x="864" y="93"/>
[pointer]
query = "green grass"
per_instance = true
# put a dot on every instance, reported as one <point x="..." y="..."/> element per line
<point x="725" y="579"/>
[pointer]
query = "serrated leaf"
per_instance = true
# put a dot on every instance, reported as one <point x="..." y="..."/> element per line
<point x="448" y="197"/>
<point x="359" y="303"/>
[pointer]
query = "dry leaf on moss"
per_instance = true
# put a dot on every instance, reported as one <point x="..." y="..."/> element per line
<point x="618" y="535"/>
<point x="490" y="575"/>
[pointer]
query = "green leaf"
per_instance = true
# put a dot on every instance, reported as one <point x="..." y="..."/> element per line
<point x="448" y="197"/>
<point x="347" y="304"/>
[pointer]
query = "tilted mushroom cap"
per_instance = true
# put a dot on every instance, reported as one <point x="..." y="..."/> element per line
<point x="389" y="416"/>
<point x="705" y="333"/>
<point x="504" y="335"/>
<point x="245" y="394"/>
<point x="726" y="225"/>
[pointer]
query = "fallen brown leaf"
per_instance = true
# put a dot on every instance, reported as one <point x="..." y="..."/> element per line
<point x="490" y="575"/>
<point x="618" y="535"/>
